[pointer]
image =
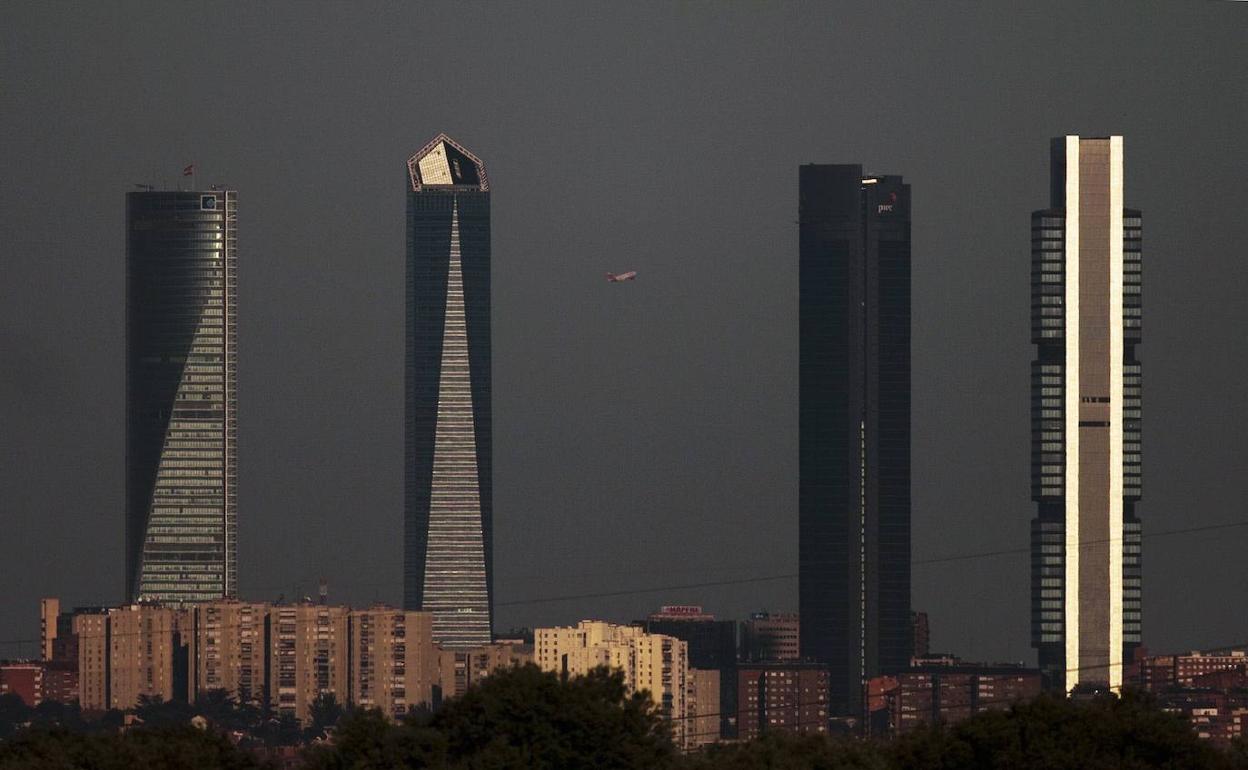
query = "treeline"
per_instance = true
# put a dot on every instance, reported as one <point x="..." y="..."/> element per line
<point x="524" y="718"/>
<point x="247" y="723"/>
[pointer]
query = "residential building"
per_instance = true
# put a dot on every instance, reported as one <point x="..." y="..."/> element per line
<point x="704" y="710"/>
<point x="712" y="646"/>
<point x="653" y="663"/>
<point x="23" y="679"/>
<point x="1085" y="419"/>
<point x="927" y="694"/>
<point x="1163" y="672"/>
<point x="181" y="395"/>
<point x="148" y="654"/>
<point x="60" y="681"/>
<point x="308" y="657"/>
<point x="1218" y="716"/>
<point x="231" y="651"/>
<point x="771" y="636"/>
<point x="393" y="660"/>
<point x="448" y="549"/>
<point x="91" y="633"/>
<point x="459" y="669"/>
<point x="854" y="426"/>
<point x="788" y="696"/>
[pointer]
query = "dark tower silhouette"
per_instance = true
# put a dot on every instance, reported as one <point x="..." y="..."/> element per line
<point x="854" y="426"/>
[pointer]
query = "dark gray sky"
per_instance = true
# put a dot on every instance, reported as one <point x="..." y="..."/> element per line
<point x="645" y="433"/>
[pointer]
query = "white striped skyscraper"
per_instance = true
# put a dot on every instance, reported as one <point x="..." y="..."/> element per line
<point x="448" y="496"/>
<point x="1085" y="418"/>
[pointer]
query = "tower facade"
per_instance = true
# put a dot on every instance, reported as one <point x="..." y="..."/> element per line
<point x="1085" y="418"/>
<point x="854" y="426"/>
<point x="181" y="395"/>
<point x="448" y="553"/>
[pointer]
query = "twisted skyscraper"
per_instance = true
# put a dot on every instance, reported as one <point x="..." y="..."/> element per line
<point x="448" y="553"/>
<point x="181" y="395"/>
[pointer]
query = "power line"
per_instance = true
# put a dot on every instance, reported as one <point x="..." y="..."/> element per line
<point x="793" y="575"/>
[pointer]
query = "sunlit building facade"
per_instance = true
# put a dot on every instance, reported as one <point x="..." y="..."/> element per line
<point x="1085" y="418"/>
<point x="181" y="395"/>
<point x="448" y="551"/>
<point x="653" y="663"/>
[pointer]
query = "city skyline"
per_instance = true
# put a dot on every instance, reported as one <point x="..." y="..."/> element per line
<point x="610" y="394"/>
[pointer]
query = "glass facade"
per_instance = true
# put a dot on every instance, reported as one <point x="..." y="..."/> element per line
<point x="854" y="427"/>
<point x="448" y="550"/>
<point x="1085" y="582"/>
<point x="181" y="395"/>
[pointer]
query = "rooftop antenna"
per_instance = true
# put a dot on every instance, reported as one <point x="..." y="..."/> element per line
<point x="324" y="592"/>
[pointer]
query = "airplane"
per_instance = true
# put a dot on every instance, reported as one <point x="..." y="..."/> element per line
<point x="629" y="276"/>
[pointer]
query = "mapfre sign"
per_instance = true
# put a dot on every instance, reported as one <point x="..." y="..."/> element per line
<point x="680" y="609"/>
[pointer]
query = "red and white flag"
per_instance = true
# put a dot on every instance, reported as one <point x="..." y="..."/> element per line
<point x="189" y="170"/>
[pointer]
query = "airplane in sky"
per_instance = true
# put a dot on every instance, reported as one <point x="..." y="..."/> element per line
<point x="629" y="276"/>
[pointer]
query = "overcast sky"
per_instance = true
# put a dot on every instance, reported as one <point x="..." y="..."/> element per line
<point x="645" y="433"/>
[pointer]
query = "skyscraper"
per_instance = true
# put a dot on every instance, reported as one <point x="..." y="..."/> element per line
<point x="181" y="395"/>
<point x="1085" y="418"/>
<point x="854" y="426"/>
<point x="448" y="553"/>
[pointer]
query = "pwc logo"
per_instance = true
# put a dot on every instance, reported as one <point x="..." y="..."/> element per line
<point x="887" y="208"/>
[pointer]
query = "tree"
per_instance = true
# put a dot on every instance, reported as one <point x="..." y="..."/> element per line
<point x="155" y="711"/>
<point x="180" y="747"/>
<point x="325" y="712"/>
<point x="520" y="717"/>
<point x="779" y="750"/>
<point x="13" y="714"/>
<point x="1104" y="732"/>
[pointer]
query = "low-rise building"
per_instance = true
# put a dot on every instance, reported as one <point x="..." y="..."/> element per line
<point x="1161" y="672"/>
<point x="945" y="692"/>
<point x="23" y="679"/>
<point x="1216" y="716"/>
<point x="789" y="696"/>
<point x="36" y="681"/>
<point x="460" y="669"/>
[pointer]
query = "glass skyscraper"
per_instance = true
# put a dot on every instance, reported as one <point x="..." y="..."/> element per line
<point x="448" y="552"/>
<point x="1085" y="418"/>
<point x="854" y="426"/>
<point x="181" y="395"/>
